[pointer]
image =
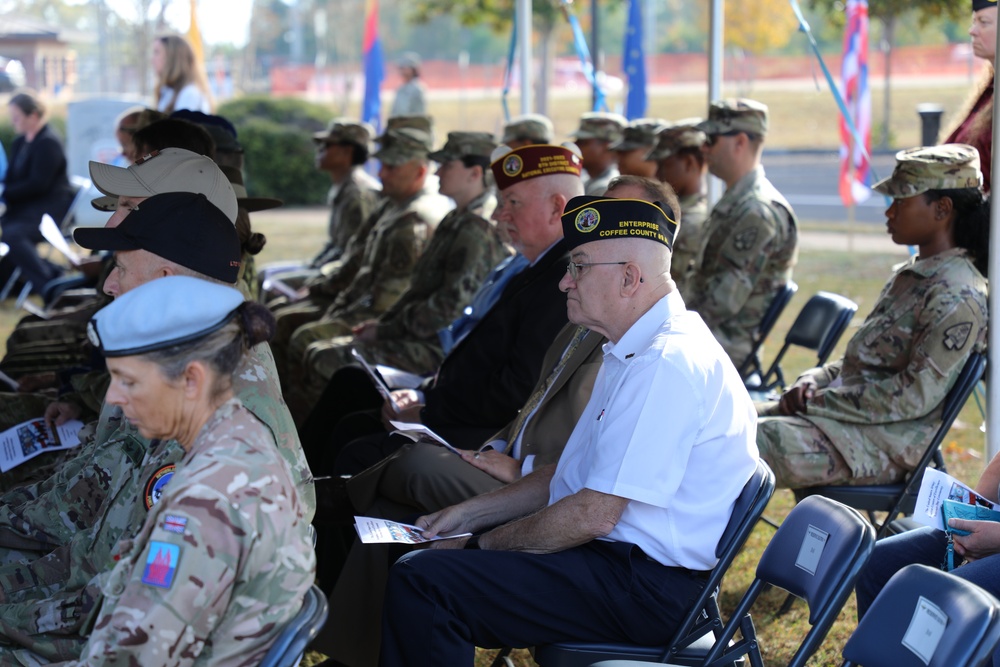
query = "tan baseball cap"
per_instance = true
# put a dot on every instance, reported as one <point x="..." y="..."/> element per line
<point x="944" y="167"/>
<point x="736" y="115"/>
<point x="167" y="170"/>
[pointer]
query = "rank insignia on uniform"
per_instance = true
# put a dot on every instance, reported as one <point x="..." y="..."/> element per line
<point x="745" y="240"/>
<point x="955" y="337"/>
<point x="174" y="524"/>
<point x="154" y="487"/>
<point x="161" y="564"/>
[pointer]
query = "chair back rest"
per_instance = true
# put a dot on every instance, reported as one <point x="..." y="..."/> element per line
<point x="767" y="322"/>
<point x="964" y="385"/>
<point x="815" y="551"/>
<point x="958" y="623"/>
<point x="819" y="319"/>
<point x="287" y="649"/>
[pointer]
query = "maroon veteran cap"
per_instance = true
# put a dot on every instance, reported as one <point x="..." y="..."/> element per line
<point x="589" y="219"/>
<point x="527" y="162"/>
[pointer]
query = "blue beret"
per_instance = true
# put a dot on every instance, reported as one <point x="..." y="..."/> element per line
<point x="163" y="312"/>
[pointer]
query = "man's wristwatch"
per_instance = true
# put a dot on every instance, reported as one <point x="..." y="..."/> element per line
<point x="472" y="542"/>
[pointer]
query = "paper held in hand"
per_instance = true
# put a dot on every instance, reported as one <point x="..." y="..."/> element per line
<point x="377" y="380"/>
<point x="29" y="439"/>
<point x="376" y="531"/>
<point x="935" y="488"/>
<point x="420" y="433"/>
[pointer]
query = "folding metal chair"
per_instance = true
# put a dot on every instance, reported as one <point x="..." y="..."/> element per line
<point x="926" y="618"/>
<point x="819" y="326"/>
<point x="750" y="370"/>
<point x="288" y="648"/>
<point x="896" y="499"/>
<point x="703" y="622"/>
<point x="816" y="554"/>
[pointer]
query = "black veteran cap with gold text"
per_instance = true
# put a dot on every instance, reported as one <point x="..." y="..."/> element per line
<point x="601" y="218"/>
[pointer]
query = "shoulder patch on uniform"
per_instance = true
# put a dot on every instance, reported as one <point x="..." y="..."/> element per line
<point x="745" y="240"/>
<point x="174" y="524"/>
<point x="956" y="336"/>
<point x="155" y="484"/>
<point x="161" y="564"/>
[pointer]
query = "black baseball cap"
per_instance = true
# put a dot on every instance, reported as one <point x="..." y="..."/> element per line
<point x="183" y="227"/>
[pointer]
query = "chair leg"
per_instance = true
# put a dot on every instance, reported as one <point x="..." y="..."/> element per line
<point x="502" y="658"/>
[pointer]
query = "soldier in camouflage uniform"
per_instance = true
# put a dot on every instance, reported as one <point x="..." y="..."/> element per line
<point x="868" y="418"/>
<point x="527" y="129"/>
<point x="402" y="230"/>
<point x="224" y="558"/>
<point x="597" y="132"/>
<point x="680" y="163"/>
<point x="87" y="514"/>
<point x="463" y="249"/>
<point x="634" y="147"/>
<point x="750" y="241"/>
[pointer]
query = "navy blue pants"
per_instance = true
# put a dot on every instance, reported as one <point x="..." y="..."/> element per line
<point x="440" y="605"/>
<point x="926" y="546"/>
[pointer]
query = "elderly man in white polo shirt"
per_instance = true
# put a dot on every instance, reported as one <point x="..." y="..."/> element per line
<point x="614" y="542"/>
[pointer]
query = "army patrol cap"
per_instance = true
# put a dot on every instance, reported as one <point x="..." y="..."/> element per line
<point x="183" y="227"/>
<point x="512" y="166"/>
<point x="346" y="130"/>
<point x="944" y="167"/>
<point x="601" y="125"/>
<point x="406" y="138"/>
<point x="167" y="311"/>
<point x="589" y="219"/>
<point x="532" y="127"/>
<point x="167" y="170"/>
<point x="465" y="144"/>
<point x="735" y="115"/>
<point x="676" y="137"/>
<point x="409" y="59"/>
<point x="983" y="4"/>
<point x="640" y="133"/>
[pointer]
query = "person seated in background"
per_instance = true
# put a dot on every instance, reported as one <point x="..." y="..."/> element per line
<point x="634" y="146"/>
<point x="750" y="242"/>
<point x="578" y="550"/>
<point x="527" y="129"/>
<point x="869" y="417"/>
<point x="597" y="132"/>
<point x="125" y="125"/>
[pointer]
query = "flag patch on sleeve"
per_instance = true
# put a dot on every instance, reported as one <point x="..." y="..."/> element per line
<point x="161" y="564"/>
<point x="175" y="524"/>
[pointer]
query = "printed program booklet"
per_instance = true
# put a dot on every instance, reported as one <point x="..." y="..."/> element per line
<point x="29" y="439"/>
<point x="379" y="531"/>
<point x="935" y="488"/>
<point x="420" y="433"/>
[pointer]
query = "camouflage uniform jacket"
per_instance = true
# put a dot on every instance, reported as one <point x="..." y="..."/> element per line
<point x="393" y="246"/>
<point x="882" y="401"/>
<point x="687" y="243"/>
<point x="464" y="248"/>
<point x="598" y="185"/>
<point x="221" y="563"/>
<point x="337" y="275"/>
<point x="749" y="245"/>
<point x="113" y="479"/>
<point x="351" y="202"/>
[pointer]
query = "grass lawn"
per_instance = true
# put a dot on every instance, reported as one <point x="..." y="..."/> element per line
<point x="296" y="233"/>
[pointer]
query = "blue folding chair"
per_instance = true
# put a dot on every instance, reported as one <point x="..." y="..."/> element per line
<point x="750" y="370"/>
<point x="816" y="554"/>
<point x="697" y="632"/>
<point x="287" y="650"/>
<point x="926" y="618"/>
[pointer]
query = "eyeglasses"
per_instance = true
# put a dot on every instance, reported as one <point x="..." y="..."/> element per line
<point x="573" y="268"/>
<point x="712" y="138"/>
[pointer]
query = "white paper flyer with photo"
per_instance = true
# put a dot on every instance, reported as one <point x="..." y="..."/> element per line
<point x="31" y="438"/>
<point x="935" y="488"/>
<point x="381" y="531"/>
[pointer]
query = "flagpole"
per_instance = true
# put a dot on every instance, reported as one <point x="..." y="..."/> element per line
<point x="851" y="209"/>
<point x="715" y="62"/>
<point x="993" y="368"/>
<point x="524" y="34"/>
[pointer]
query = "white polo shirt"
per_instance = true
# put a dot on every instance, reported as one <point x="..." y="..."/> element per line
<point x="671" y="427"/>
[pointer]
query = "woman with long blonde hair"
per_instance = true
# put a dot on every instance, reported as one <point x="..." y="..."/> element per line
<point x="180" y="83"/>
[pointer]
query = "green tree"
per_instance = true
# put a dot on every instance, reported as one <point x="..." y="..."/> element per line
<point x="889" y="13"/>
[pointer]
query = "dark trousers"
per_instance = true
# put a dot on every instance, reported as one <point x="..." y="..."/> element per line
<point x="22" y="236"/>
<point x="440" y="605"/>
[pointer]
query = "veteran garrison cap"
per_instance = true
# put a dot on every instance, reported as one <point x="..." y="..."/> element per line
<point x="601" y="125"/>
<point x="736" y="115"/>
<point x="222" y="131"/>
<point x="640" y="133"/>
<point x="511" y="166"/>
<point x="532" y="127"/>
<point x="676" y="137"/>
<point x="406" y="138"/>
<point x="589" y="219"/>
<point x="346" y="130"/>
<point x="983" y="4"/>
<point x="465" y="144"/>
<point x="182" y="227"/>
<point x="944" y="167"/>
<point x="161" y="313"/>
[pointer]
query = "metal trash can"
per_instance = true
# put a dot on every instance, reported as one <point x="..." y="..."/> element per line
<point x="930" y="123"/>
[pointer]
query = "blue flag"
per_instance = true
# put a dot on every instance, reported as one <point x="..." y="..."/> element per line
<point x="371" y="108"/>
<point x="634" y="63"/>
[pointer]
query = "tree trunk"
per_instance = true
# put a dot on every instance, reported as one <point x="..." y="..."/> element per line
<point x="888" y="38"/>
<point x="546" y="59"/>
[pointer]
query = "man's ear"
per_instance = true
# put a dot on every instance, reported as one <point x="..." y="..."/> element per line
<point x="558" y="202"/>
<point x="631" y="279"/>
